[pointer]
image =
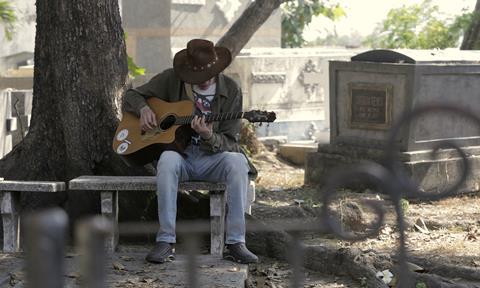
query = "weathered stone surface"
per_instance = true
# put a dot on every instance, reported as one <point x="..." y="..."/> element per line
<point x="10" y="207"/>
<point x="430" y="173"/>
<point x="109" y="207"/>
<point x="408" y="86"/>
<point x="32" y="186"/>
<point x="132" y="183"/>
<point x="295" y="153"/>
<point x="371" y="93"/>
<point x="11" y="221"/>
<point x="217" y="223"/>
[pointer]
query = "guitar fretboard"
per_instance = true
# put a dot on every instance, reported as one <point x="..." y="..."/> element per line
<point x="184" y="120"/>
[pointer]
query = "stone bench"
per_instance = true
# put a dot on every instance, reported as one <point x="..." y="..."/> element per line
<point x="109" y="186"/>
<point x="10" y="207"/>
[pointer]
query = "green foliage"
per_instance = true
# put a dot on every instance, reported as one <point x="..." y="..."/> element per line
<point x="420" y="285"/>
<point x="298" y="14"/>
<point x="363" y="282"/>
<point x="405" y="205"/>
<point x="133" y="69"/>
<point x="8" y="18"/>
<point x="418" y="26"/>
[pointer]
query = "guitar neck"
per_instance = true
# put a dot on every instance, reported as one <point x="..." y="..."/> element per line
<point x="184" y="120"/>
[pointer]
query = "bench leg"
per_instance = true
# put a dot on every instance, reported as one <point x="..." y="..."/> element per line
<point x="11" y="221"/>
<point x="217" y="222"/>
<point x="110" y="211"/>
<point x="250" y="197"/>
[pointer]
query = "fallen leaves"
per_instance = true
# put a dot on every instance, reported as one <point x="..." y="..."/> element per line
<point x="118" y="266"/>
<point x="386" y="276"/>
<point x="421" y="226"/>
<point x="473" y="234"/>
<point x="127" y="258"/>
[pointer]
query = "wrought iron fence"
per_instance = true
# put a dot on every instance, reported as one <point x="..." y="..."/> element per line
<point x="46" y="230"/>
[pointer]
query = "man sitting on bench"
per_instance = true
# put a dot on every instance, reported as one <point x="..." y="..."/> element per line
<point x="213" y="154"/>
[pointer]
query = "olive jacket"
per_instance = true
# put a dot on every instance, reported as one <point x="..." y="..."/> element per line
<point x="228" y="98"/>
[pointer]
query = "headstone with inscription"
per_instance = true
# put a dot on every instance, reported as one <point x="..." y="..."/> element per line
<point x="370" y="92"/>
<point x="293" y="83"/>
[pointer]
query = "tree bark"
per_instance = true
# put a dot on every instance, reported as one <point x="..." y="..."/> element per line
<point x="471" y="39"/>
<point x="243" y="29"/>
<point x="79" y="76"/>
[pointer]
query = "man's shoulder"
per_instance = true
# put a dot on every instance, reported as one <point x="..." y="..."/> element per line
<point x="167" y="73"/>
<point x="166" y="78"/>
<point x="230" y="82"/>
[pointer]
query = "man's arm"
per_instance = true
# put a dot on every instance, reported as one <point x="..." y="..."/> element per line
<point x="134" y="100"/>
<point x="227" y="136"/>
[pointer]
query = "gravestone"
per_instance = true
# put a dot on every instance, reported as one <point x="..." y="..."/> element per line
<point x="370" y="92"/>
<point x="293" y="83"/>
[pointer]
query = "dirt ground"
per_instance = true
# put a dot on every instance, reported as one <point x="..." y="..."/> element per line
<point x="445" y="232"/>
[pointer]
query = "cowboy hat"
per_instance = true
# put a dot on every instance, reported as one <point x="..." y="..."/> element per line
<point x="200" y="61"/>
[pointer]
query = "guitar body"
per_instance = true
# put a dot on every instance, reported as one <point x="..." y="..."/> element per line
<point x="138" y="147"/>
<point x="173" y="131"/>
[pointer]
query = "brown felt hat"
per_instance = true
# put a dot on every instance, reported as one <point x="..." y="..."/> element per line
<point x="201" y="61"/>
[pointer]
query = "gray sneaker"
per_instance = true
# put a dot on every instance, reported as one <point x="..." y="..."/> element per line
<point x="239" y="253"/>
<point x="163" y="252"/>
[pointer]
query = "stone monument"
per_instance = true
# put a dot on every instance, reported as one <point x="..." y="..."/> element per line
<point x="293" y="83"/>
<point x="370" y="92"/>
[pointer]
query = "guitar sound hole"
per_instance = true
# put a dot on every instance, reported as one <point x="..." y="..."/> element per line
<point x="168" y="122"/>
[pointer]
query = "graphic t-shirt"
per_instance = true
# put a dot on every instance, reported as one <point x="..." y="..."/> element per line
<point x="203" y="104"/>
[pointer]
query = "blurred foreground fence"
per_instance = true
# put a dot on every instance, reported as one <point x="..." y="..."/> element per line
<point x="46" y="230"/>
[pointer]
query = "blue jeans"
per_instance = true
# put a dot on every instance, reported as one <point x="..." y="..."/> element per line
<point x="228" y="167"/>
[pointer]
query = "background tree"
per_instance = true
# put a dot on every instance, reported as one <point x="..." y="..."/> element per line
<point x="419" y="26"/>
<point x="296" y="15"/>
<point x="7" y="18"/>
<point x="245" y="26"/>
<point x="471" y="39"/>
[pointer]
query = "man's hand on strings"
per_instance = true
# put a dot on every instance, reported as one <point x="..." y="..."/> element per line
<point x="148" y="120"/>
<point x="200" y="125"/>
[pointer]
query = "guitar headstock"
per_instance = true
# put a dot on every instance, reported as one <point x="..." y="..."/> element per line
<point x="259" y="116"/>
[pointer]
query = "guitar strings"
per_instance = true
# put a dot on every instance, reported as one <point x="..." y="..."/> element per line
<point x="183" y="120"/>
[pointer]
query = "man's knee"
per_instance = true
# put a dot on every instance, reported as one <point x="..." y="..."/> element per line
<point x="169" y="161"/>
<point x="236" y="162"/>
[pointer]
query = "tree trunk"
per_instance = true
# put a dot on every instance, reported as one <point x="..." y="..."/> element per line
<point x="243" y="29"/>
<point x="471" y="39"/>
<point x="79" y="76"/>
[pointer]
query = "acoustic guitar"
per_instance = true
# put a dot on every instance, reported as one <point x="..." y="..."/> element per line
<point x="173" y="131"/>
